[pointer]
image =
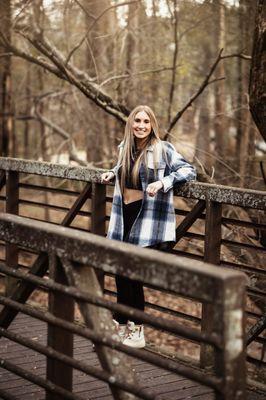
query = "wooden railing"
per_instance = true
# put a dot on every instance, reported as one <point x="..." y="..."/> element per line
<point x="73" y="259"/>
<point x="215" y="211"/>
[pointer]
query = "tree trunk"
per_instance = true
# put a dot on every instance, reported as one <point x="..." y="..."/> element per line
<point x="174" y="62"/>
<point x="6" y="124"/>
<point x="131" y="92"/>
<point x="257" y="85"/>
<point x="245" y="130"/>
<point x="99" y="63"/>
<point x="220" y="125"/>
<point x="203" y="150"/>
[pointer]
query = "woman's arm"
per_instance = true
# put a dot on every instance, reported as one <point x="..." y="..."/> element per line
<point x="181" y="170"/>
<point x="108" y="176"/>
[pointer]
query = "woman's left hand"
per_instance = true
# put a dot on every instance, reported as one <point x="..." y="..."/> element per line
<point x="154" y="187"/>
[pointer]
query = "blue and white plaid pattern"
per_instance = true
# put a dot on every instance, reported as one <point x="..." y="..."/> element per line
<point x="156" y="221"/>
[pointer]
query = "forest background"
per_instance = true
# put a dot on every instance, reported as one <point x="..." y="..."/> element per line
<point x="73" y="69"/>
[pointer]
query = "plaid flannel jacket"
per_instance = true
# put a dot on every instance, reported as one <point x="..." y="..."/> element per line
<point x="156" y="221"/>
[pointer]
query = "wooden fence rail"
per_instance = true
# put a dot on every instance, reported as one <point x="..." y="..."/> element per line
<point x="74" y="256"/>
<point x="206" y="206"/>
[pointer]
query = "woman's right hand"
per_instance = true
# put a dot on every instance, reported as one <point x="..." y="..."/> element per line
<point x="107" y="176"/>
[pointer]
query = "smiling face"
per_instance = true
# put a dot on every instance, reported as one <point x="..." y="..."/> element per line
<point x="141" y="126"/>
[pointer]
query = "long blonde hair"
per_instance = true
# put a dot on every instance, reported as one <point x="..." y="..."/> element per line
<point x="129" y="146"/>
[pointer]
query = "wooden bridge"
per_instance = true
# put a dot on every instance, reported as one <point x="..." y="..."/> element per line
<point x="46" y="346"/>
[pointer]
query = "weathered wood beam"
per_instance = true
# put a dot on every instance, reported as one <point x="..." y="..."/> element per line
<point x="189" y="220"/>
<point x="2" y="179"/>
<point x="98" y="213"/>
<point x="12" y="207"/>
<point x="23" y="290"/>
<point x="171" y="273"/>
<point x="195" y="190"/>
<point x="212" y="249"/>
<point x="59" y="339"/>
<point x="99" y="319"/>
<point x="256" y="329"/>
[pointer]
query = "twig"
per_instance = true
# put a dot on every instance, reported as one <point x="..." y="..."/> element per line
<point x="124" y="76"/>
<point x="6" y="55"/>
<point x="205" y="83"/>
<point x="218" y="159"/>
<point x="62" y="132"/>
<point x="36" y="60"/>
<point x="239" y="55"/>
<point x="94" y="23"/>
<point x="195" y="96"/>
<point x="85" y="11"/>
<point x="27" y="3"/>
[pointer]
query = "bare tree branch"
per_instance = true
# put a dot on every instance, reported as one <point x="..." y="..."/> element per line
<point x="205" y="83"/>
<point x="124" y="76"/>
<point x="6" y="55"/>
<point x="94" y="23"/>
<point x="64" y="134"/>
<point x="239" y="55"/>
<point x="28" y="57"/>
<point x="85" y="11"/>
<point x="16" y="19"/>
<point x="69" y="73"/>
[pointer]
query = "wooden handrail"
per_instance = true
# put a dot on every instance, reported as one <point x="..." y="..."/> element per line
<point x="195" y="190"/>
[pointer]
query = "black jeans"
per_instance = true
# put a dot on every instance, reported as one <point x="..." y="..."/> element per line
<point x="130" y="292"/>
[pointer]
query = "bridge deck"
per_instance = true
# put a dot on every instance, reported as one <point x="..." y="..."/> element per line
<point x="165" y="385"/>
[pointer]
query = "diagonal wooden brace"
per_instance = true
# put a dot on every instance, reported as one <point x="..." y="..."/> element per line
<point x="2" y="179"/>
<point x="256" y="329"/>
<point x="190" y="219"/>
<point x="23" y="290"/>
<point x="100" y="320"/>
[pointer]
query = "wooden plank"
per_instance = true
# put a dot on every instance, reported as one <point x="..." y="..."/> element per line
<point x="98" y="213"/>
<point x="228" y="323"/>
<point x="12" y="207"/>
<point x="196" y="190"/>
<point x="212" y="248"/>
<point x="144" y="265"/>
<point x="59" y="339"/>
<point x="256" y="329"/>
<point x="2" y="179"/>
<point x="100" y="320"/>
<point x="189" y="220"/>
<point x="23" y="290"/>
<point x="40" y="266"/>
<point x="78" y="204"/>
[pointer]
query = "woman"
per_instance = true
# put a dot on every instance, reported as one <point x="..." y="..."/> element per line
<point x="142" y="211"/>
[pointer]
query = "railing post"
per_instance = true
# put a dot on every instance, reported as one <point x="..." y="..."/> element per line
<point x="59" y="339"/>
<point x="212" y="248"/>
<point x="12" y="207"/>
<point x="229" y="325"/>
<point x="98" y="214"/>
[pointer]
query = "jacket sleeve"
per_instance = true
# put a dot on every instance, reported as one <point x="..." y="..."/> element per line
<point x="180" y="170"/>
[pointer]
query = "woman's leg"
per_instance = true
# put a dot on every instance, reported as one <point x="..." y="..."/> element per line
<point x="129" y="292"/>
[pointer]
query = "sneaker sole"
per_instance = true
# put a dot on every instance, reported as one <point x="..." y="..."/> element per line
<point x="138" y="345"/>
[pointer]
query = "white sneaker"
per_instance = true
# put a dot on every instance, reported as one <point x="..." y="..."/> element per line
<point x="134" y="335"/>
<point x="120" y="330"/>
